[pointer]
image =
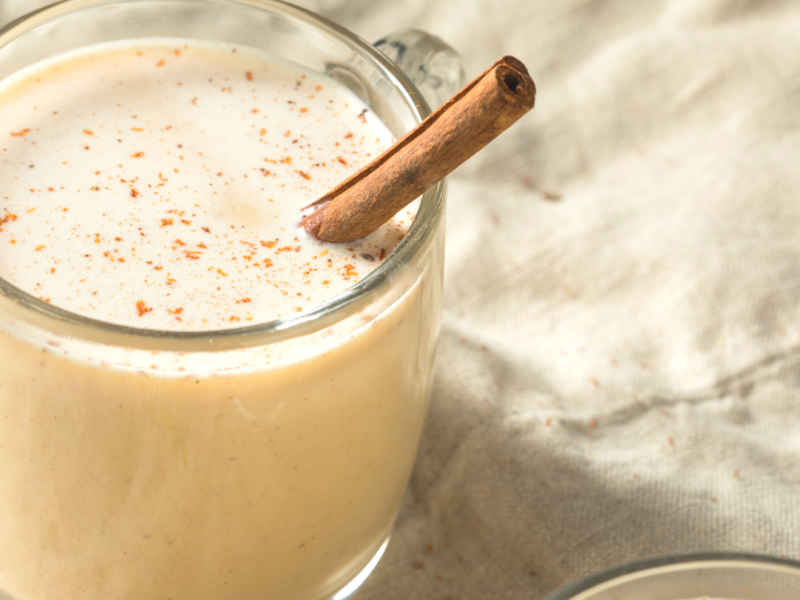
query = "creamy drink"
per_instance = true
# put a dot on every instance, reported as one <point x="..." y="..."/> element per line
<point x="160" y="186"/>
<point x="157" y="185"/>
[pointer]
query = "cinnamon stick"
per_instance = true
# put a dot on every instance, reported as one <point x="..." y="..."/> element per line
<point x="472" y="118"/>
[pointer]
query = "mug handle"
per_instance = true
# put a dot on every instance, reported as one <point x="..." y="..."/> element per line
<point x="430" y="63"/>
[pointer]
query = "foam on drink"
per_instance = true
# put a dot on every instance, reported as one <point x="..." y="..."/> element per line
<point x="159" y="184"/>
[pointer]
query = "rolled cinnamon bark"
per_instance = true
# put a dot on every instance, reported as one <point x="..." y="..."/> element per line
<point x="472" y="118"/>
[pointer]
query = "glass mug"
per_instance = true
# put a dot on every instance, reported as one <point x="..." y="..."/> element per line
<point x="254" y="463"/>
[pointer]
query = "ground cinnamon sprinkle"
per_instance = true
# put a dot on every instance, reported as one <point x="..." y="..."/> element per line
<point x="142" y="308"/>
<point x="130" y="196"/>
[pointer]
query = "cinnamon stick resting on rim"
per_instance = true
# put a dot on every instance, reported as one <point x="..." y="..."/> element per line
<point x="450" y="135"/>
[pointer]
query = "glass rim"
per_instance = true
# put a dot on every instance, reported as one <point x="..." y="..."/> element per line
<point x="673" y="563"/>
<point x="336" y="309"/>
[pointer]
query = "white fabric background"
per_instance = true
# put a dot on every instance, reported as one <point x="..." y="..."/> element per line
<point x="619" y="368"/>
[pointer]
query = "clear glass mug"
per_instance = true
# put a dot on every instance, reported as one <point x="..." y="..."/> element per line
<point x="253" y="463"/>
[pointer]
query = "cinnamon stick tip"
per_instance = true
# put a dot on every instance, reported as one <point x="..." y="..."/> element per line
<point x="312" y="223"/>
<point x="514" y="78"/>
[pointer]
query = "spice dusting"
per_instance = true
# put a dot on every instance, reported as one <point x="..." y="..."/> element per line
<point x="142" y="308"/>
<point x="173" y="211"/>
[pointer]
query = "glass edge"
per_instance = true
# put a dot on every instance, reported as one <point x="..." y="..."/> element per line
<point x="586" y="584"/>
<point x="337" y="308"/>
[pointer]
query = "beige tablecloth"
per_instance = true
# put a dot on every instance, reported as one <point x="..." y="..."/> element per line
<point x="619" y="369"/>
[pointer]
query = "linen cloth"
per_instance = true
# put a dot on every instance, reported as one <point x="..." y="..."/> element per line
<point x="619" y="368"/>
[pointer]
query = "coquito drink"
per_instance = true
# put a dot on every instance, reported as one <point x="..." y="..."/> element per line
<point x="157" y="185"/>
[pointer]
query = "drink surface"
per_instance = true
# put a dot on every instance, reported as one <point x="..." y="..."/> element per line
<point x="158" y="184"/>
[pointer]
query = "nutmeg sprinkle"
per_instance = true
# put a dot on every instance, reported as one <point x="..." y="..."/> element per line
<point x="168" y="219"/>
